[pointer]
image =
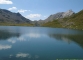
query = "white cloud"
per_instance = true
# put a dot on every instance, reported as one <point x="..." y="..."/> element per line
<point x="33" y="16"/>
<point x="6" y="2"/>
<point x="22" y="55"/>
<point x="29" y="10"/>
<point x="22" y="11"/>
<point x="13" y="8"/>
<point x="5" y="47"/>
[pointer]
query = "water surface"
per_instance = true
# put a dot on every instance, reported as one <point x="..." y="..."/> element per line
<point x="40" y="43"/>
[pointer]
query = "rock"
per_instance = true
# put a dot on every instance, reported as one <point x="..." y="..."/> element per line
<point x="59" y="15"/>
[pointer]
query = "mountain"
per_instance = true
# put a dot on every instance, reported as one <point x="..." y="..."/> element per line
<point x="10" y="17"/>
<point x="74" y="21"/>
<point x="59" y="15"/>
<point x="77" y="38"/>
<point x="38" y="23"/>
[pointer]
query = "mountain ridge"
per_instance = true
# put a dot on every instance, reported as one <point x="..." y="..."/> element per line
<point x="74" y="21"/>
<point x="59" y="15"/>
<point x="68" y="19"/>
<point x="9" y="18"/>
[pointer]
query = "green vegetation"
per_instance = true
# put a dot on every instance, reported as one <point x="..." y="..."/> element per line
<point x="54" y="23"/>
<point x="74" y="22"/>
<point x="15" y="24"/>
<point x="8" y="18"/>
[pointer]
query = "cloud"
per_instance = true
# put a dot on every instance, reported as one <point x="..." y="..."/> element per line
<point x="5" y="47"/>
<point x="6" y="2"/>
<point x="22" y="55"/>
<point x="33" y="16"/>
<point x="23" y="11"/>
<point x="13" y="8"/>
<point x="29" y="10"/>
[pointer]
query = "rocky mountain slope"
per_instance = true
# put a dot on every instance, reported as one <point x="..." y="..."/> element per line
<point x="59" y="15"/>
<point x="56" y="16"/>
<point x="74" y="21"/>
<point x="10" y="17"/>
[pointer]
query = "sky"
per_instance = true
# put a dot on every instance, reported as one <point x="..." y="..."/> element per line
<point x="40" y="9"/>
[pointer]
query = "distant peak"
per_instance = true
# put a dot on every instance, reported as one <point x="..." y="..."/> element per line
<point x="70" y="10"/>
<point x="18" y="14"/>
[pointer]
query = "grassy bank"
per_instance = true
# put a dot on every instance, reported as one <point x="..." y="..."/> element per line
<point x="15" y="24"/>
<point x="73" y="22"/>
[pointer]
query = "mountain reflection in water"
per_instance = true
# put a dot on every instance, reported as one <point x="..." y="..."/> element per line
<point x="77" y="38"/>
<point x="4" y="34"/>
<point x="39" y="43"/>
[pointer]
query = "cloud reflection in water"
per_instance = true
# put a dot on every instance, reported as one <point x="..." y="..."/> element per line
<point x="26" y="37"/>
<point x="21" y="39"/>
<point x="22" y="55"/>
<point x="12" y="41"/>
<point x="3" y="47"/>
<point x="35" y="35"/>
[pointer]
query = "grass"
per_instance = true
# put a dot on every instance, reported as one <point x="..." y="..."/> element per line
<point x="15" y="24"/>
<point x="54" y="23"/>
<point x="73" y="22"/>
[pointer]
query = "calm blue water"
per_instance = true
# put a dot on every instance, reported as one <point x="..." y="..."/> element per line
<point x="40" y="43"/>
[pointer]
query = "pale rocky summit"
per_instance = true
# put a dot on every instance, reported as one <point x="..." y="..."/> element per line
<point x="59" y="15"/>
<point x="68" y="13"/>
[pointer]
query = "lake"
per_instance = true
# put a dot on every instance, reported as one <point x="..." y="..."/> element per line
<point x="40" y="43"/>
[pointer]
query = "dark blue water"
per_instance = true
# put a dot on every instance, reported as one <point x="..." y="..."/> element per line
<point x="40" y="43"/>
